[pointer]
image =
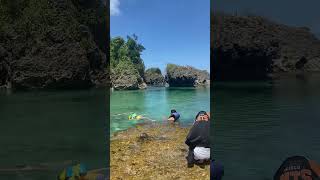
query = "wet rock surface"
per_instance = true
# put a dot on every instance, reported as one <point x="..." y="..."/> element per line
<point x="254" y="48"/>
<point x="154" y="151"/>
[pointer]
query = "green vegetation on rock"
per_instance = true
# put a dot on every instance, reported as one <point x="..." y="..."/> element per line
<point x="153" y="76"/>
<point x="152" y="151"/>
<point x="129" y="51"/>
<point x="127" y="67"/>
<point x="153" y="70"/>
<point x="53" y="44"/>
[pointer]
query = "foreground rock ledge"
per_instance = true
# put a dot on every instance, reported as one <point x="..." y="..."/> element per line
<point x="152" y="151"/>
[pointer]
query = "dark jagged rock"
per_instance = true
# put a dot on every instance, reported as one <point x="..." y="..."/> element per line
<point x="4" y="68"/>
<point x="185" y="76"/>
<point x="250" y="47"/>
<point x="53" y="47"/>
<point x="154" y="77"/>
<point x="126" y="77"/>
<point x="124" y="81"/>
<point x="144" y="137"/>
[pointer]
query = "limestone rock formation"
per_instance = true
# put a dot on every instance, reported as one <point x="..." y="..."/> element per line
<point x="251" y="47"/>
<point x="185" y="76"/>
<point x="154" y="77"/>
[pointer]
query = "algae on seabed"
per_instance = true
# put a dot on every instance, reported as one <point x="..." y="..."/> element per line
<point x="152" y="151"/>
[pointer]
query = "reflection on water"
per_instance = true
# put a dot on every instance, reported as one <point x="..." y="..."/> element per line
<point x="258" y="124"/>
<point x="156" y="103"/>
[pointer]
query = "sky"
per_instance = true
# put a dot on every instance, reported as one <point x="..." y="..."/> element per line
<point x="172" y="31"/>
<point x="290" y="12"/>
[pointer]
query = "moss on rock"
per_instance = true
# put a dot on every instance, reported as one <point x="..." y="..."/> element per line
<point x="152" y="151"/>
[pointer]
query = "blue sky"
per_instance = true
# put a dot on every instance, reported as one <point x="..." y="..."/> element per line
<point x="172" y="31"/>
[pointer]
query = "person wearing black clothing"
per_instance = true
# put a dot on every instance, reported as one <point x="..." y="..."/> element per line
<point x="216" y="170"/>
<point x="198" y="139"/>
<point x="298" y="167"/>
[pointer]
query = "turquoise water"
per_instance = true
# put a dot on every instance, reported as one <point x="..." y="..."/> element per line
<point x="258" y="124"/>
<point x="156" y="103"/>
<point x="52" y="128"/>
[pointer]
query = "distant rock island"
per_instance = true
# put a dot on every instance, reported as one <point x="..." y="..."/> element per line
<point x="128" y="69"/>
<point x="176" y="76"/>
<point x="186" y="76"/>
<point x="254" y="48"/>
<point x="154" y="77"/>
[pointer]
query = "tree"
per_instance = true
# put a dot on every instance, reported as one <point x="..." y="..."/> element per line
<point x="134" y="53"/>
<point x="115" y="45"/>
<point x="130" y="50"/>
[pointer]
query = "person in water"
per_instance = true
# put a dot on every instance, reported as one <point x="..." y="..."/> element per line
<point x="78" y="171"/>
<point x="198" y="140"/>
<point x="298" y="167"/>
<point x="174" y="116"/>
<point x="134" y="116"/>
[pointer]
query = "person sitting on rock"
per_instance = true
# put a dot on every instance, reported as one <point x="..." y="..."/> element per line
<point x="198" y="140"/>
<point x="174" y="116"/>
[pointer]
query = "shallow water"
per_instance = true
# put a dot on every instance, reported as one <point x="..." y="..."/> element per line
<point x="155" y="104"/>
<point x="258" y="124"/>
<point x="52" y="127"/>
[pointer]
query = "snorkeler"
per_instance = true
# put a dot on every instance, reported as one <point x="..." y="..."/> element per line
<point x="174" y="116"/>
<point x="134" y="116"/>
<point x="80" y="172"/>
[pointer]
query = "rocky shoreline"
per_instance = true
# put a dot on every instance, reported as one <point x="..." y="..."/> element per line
<point x="152" y="151"/>
<point x="60" y="47"/>
<point x="176" y="76"/>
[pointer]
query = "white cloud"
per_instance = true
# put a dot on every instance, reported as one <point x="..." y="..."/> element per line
<point x="114" y="7"/>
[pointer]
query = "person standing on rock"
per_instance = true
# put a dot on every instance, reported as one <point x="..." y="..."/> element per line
<point x="174" y="116"/>
<point x="198" y="140"/>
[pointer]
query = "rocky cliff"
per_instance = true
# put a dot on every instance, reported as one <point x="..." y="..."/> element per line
<point x="186" y="76"/>
<point x="127" y="66"/>
<point x="250" y="47"/>
<point x="53" y="44"/>
<point x="154" y="77"/>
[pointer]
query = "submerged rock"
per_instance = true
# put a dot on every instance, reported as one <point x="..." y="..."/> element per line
<point x="144" y="137"/>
